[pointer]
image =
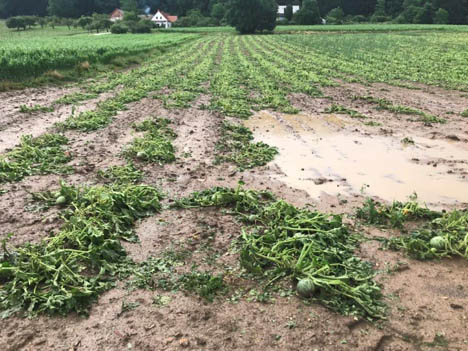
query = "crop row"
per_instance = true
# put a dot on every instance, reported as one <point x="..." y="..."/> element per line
<point x="435" y="59"/>
<point x="26" y="58"/>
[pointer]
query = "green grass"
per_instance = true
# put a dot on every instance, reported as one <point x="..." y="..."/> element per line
<point x="465" y="113"/>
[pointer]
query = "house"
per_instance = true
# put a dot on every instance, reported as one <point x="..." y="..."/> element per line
<point x="282" y="10"/>
<point x="162" y="19"/>
<point x="117" y="15"/>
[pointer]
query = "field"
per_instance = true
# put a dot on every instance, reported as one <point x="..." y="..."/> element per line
<point x="27" y="54"/>
<point x="305" y="189"/>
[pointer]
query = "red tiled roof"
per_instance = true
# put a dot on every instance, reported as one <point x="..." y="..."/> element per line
<point x="169" y="17"/>
<point x="117" y="13"/>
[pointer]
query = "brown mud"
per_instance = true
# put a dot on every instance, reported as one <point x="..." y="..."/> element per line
<point x="324" y="161"/>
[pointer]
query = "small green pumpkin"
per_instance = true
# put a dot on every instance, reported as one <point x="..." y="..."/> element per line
<point x="306" y="288"/>
<point x="438" y="242"/>
<point x="61" y="200"/>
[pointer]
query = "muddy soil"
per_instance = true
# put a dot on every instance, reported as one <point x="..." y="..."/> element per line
<point x="323" y="164"/>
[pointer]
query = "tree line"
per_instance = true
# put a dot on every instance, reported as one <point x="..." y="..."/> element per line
<point x="215" y="12"/>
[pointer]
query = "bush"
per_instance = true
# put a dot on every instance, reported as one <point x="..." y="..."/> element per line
<point x="16" y="22"/>
<point x="30" y="21"/>
<point x="335" y="16"/>
<point x="359" y="19"/>
<point x="119" y="28"/>
<point x="309" y="13"/>
<point x="143" y="26"/>
<point x="379" y="19"/>
<point x="441" y="17"/>
<point x="282" y="22"/>
<point x="84" y="21"/>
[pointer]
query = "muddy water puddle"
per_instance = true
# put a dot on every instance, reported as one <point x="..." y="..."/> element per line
<point x="319" y="156"/>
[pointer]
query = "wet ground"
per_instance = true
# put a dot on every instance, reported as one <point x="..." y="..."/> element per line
<point x="325" y="154"/>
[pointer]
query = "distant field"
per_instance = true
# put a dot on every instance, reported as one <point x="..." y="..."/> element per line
<point x="429" y="58"/>
<point x="372" y="27"/>
<point x="29" y="53"/>
<point x="430" y="54"/>
<point x="335" y="28"/>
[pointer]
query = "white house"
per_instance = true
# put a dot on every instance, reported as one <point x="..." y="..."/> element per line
<point x="162" y="19"/>
<point x="282" y="10"/>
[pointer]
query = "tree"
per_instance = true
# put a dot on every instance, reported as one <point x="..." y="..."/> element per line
<point x="218" y="11"/>
<point x="335" y="16"/>
<point x="424" y="14"/>
<point x="441" y="16"/>
<point x="380" y="9"/>
<point x="288" y="12"/>
<point x="16" y="22"/>
<point x="42" y="21"/>
<point x="393" y="7"/>
<point x="62" y="8"/>
<point x="84" y="21"/>
<point x="380" y="14"/>
<point x="129" y="5"/>
<point x="30" y="21"/>
<point x="457" y="9"/>
<point x="54" y="21"/>
<point x="309" y="13"/>
<point x="249" y="16"/>
<point x="11" y="8"/>
<point x="68" y="22"/>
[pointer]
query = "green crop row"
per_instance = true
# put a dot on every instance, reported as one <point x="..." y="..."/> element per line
<point x="29" y="57"/>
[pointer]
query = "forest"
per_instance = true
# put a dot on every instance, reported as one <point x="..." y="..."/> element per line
<point x="401" y="11"/>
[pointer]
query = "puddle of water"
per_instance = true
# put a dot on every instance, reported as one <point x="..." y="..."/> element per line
<point x="313" y="150"/>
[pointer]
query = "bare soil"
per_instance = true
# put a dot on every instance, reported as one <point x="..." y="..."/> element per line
<point x="428" y="300"/>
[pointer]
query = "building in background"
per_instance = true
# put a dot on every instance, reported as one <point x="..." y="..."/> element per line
<point x="163" y="20"/>
<point x="117" y="15"/>
<point x="282" y="10"/>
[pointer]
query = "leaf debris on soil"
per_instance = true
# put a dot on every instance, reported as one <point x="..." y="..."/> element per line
<point x="68" y="271"/>
<point x="280" y="241"/>
<point x="235" y="145"/>
<point x="41" y="155"/>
